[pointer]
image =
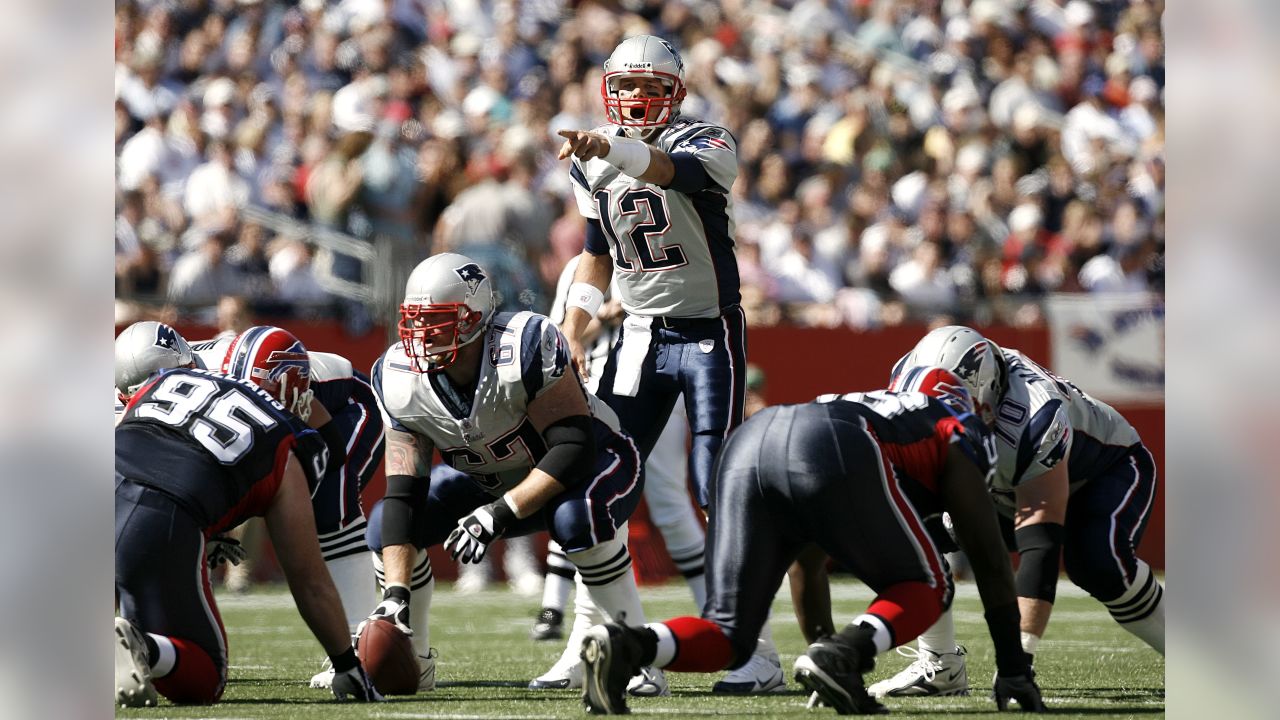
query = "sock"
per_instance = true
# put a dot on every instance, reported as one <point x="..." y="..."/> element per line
<point x="1140" y="610"/>
<point x="585" y="616"/>
<point x="881" y="634"/>
<point x="559" y="579"/>
<point x="354" y="582"/>
<point x="517" y="557"/>
<point x="701" y="646"/>
<point x="940" y="637"/>
<point x="194" y="678"/>
<point x="161" y="655"/>
<point x="606" y="572"/>
<point x="906" y="609"/>
<point x="422" y="587"/>
<point x="764" y="644"/>
<point x="665" y="648"/>
<point x="698" y="588"/>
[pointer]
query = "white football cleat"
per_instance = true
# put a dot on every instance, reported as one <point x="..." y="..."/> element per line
<point x="133" y="671"/>
<point x="761" y="674"/>
<point x="931" y="675"/>
<point x="323" y="680"/>
<point x="566" y="674"/>
<point x="427" y="671"/>
<point x="650" y="682"/>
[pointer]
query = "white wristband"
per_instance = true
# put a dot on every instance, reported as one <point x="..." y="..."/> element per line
<point x="585" y="296"/>
<point x="628" y="155"/>
<point x="1030" y="642"/>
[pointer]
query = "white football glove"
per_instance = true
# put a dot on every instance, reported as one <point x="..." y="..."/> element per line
<point x="354" y="685"/>
<point x="392" y="608"/>
<point x="470" y="541"/>
<point x="224" y="549"/>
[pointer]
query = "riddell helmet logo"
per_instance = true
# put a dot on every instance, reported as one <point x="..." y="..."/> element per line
<point x="645" y="66"/>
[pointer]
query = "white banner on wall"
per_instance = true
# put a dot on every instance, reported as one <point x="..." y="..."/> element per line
<point x="1112" y="346"/>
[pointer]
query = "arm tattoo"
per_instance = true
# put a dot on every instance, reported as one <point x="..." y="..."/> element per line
<point x="408" y="454"/>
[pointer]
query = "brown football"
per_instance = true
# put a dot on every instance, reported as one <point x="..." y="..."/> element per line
<point x="388" y="656"/>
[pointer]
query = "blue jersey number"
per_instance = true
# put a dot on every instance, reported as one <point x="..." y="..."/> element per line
<point x="644" y="239"/>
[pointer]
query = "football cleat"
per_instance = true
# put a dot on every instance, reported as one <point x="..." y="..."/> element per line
<point x="611" y="657"/>
<point x="761" y="674"/>
<point x="931" y="675"/>
<point x="649" y="682"/>
<point x="566" y="674"/>
<point x="550" y="625"/>
<point x="427" y="671"/>
<point x="832" y="668"/>
<point x="133" y="671"/>
<point x="323" y="680"/>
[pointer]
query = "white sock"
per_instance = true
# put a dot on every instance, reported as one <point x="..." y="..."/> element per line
<point x="559" y="579"/>
<point x="356" y="588"/>
<point x="882" y="637"/>
<point x="666" y="644"/>
<point x="764" y="644"/>
<point x="941" y="636"/>
<point x="421" y="589"/>
<point x="167" y="658"/>
<point x="517" y="557"/>
<point x="698" y="587"/>
<point x="606" y="572"/>
<point x="1140" y="610"/>
<point x="585" y="616"/>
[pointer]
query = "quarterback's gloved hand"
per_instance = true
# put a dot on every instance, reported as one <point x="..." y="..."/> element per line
<point x="352" y="682"/>
<point x="224" y="549"/>
<point x="470" y="540"/>
<point x="394" y="608"/>
<point x="1022" y="688"/>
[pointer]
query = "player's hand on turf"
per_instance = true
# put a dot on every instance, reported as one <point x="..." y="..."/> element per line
<point x="585" y="145"/>
<point x="354" y="685"/>
<point x="470" y="540"/>
<point x="1021" y="688"/>
<point x="224" y="549"/>
<point x="393" y="608"/>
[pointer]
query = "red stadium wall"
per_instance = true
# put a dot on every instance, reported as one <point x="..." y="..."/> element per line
<point x="800" y="364"/>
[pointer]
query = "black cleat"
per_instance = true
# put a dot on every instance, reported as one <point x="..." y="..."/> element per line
<point x="549" y="626"/>
<point x="610" y="657"/>
<point x="832" y="667"/>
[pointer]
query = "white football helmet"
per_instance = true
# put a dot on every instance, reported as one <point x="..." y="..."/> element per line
<point x="964" y="351"/>
<point x="643" y="56"/>
<point x="144" y="349"/>
<point x="448" y="303"/>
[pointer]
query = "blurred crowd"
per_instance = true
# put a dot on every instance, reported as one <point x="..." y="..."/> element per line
<point x="900" y="160"/>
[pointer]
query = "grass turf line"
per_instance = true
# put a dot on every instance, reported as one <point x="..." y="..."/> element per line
<point x="1088" y="667"/>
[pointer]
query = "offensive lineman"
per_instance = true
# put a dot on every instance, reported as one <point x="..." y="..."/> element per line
<point x="198" y="453"/>
<point x="859" y="475"/>
<point x="654" y="187"/>
<point x="489" y="390"/>
<point x="1075" y="479"/>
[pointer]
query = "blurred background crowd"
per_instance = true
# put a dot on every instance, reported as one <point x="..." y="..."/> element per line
<point x="900" y="160"/>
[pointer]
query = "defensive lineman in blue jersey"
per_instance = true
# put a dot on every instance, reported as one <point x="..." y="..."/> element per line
<point x="654" y="187"/>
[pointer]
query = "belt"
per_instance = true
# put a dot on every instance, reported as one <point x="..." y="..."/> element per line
<point x="676" y="323"/>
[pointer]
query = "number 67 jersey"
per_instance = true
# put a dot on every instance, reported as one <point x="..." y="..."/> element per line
<point x="216" y="445"/>
<point x="672" y="247"/>
<point x="488" y="435"/>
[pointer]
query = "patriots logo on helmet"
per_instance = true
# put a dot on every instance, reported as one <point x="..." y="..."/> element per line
<point x="671" y="49"/>
<point x="167" y="337"/>
<point x="969" y="365"/>
<point x="472" y="275"/>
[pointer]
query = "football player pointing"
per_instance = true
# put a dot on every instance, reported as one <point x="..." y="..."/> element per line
<point x="654" y="187"/>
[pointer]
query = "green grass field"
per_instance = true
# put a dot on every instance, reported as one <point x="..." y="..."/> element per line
<point x="1087" y="665"/>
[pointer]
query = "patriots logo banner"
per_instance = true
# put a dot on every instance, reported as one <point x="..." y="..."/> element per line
<point x="471" y="274"/>
<point x="166" y="337"/>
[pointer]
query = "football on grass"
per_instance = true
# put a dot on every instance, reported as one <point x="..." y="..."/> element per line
<point x="388" y="656"/>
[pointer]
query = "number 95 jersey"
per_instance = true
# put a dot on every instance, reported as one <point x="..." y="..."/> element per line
<point x="217" y="445"/>
<point x="489" y="435"/>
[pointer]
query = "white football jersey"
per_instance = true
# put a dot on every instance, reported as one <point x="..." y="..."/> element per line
<point x="325" y="367"/>
<point x="491" y="438"/>
<point x="672" y="251"/>
<point x="1043" y="420"/>
<point x="598" y="353"/>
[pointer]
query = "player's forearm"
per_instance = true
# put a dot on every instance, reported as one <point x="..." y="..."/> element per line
<point x="811" y="593"/>
<point x="397" y="564"/>
<point x="321" y="608"/>
<point x="661" y="170"/>
<point x="533" y="493"/>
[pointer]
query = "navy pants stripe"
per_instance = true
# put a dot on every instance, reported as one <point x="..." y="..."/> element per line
<point x="336" y="501"/>
<point x="579" y="518"/>
<point x="1106" y="519"/>
<point x="706" y="361"/>
<point x="792" y="475"/>
<point x="161" y="578"/>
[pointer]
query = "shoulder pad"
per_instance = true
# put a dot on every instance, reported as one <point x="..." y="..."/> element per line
<point x="329" y="366"/>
